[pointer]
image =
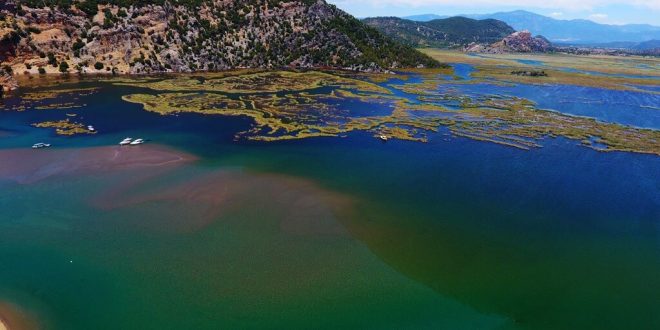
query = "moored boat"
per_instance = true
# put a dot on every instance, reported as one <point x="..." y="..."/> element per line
<point x="137" y="142"/>
<point x="125" y="141"/>
<point x="40" y="145"/>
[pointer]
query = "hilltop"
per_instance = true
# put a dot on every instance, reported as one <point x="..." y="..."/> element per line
<point x="517" y="42"/>
<point x="576" y="31"/>
<point x="571" y="32"/>
<point x="453" y="32"/>
<point x="147" y="36"/>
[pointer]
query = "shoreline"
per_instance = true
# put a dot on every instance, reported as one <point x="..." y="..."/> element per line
<point x="13" y="317"/>
<point x="18" y="80"/>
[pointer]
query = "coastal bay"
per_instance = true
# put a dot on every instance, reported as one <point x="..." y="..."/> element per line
<point x="259" y="201"/>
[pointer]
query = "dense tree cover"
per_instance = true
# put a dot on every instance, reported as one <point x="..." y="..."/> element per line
<point x="379" y="48"/>
<point x="447" y="32"/>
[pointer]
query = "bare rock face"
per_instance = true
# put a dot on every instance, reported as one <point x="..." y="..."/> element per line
<point x="524" y="42"/>
<point x="7" y="83"/>
<point x="517" y="42"/>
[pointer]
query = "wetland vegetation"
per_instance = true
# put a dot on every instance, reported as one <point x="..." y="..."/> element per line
<point x="410" y="105"/>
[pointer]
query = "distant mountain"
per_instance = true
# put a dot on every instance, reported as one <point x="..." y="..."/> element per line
<point x="450" y="32"/>
<point x="648" y="45"/>
<point x="577" y="31"/>
<point x="424" y="17"/>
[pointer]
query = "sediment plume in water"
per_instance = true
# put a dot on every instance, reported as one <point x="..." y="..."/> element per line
<point x="149" y="182"/>
<point x="27" y="166"/>
<point x="200" y="199"/>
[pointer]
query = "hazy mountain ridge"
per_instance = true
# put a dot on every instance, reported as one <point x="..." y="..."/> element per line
<point x="578" y="31"/>
<point x="143" y="36"/>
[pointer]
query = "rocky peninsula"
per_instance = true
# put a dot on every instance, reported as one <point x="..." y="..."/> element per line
<point x="155" y="36"/>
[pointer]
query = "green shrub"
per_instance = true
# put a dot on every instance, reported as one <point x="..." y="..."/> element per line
<point x="64" y="67"/>
<point x="52" y="60"/>
<point x="32" y="29"/>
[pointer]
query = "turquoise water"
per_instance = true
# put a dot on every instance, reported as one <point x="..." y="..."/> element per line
<point x="334" y="232"/>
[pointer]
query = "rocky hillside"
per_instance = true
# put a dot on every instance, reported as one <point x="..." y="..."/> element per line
<point x="145" y="36"/>
<point x="517" y="42"/>
<point x="453" y="32"/>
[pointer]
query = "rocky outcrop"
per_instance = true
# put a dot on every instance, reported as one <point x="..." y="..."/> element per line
<point x="517" y="42"/>
<point x="7" y="83"/>
<point x="524" y="42"/>
<point x="168" y="36"/>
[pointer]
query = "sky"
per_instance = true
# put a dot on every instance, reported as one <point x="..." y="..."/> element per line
<point x="601" y="11"/>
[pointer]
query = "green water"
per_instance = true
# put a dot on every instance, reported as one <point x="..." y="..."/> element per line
<point x="80" y="268"/>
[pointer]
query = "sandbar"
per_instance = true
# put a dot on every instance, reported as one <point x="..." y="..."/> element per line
<point x="13" y="318"/>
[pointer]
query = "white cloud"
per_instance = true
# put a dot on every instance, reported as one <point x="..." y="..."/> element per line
<point x="556" y="14"/>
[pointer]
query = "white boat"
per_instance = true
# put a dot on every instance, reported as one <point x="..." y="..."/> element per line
<point x="125" y="141"/>
<point x="40" y="145"/>
<point x="137" y="141"/>
<point x="91" y="128"/>
<point x="383" y="137"/>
